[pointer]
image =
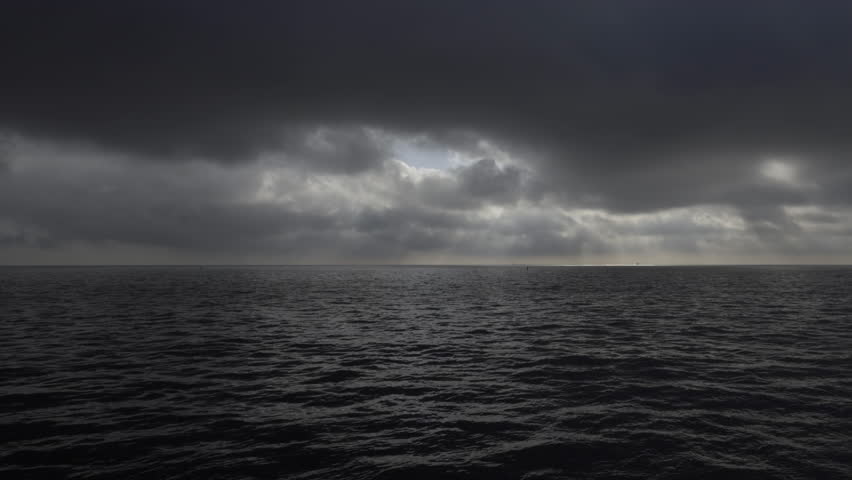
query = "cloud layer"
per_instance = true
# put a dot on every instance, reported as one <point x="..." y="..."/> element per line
<point x="564" y="132"/>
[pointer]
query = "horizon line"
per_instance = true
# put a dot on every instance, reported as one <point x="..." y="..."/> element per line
<point x="547" y="265"/>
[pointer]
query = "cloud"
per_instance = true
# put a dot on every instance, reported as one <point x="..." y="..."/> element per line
<point x="344" y="150"/>
<point x="56" y="199"/>
<point x="271" y="127"/>
<point x="486" y="180"/>
<point x="219" y="79"/>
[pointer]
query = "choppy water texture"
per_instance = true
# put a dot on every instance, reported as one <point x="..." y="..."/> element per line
<point x="359" y="373"/>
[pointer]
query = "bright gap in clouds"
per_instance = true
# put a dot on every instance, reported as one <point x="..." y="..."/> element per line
<point x="419" y="153"/>
<point x="780" y="171"/>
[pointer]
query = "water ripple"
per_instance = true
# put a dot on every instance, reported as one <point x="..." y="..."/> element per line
<point x="379" y="372"/>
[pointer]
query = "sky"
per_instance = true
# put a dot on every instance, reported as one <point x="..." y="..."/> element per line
<point x="440" y="132"/>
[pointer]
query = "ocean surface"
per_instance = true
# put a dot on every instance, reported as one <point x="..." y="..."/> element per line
<point x="410" y="372"/>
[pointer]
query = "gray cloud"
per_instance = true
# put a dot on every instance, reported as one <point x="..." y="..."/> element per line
<point x="470" y="186"/>
<point x="270" y="127"/>
<point x="51" y="201"/>
<point x="345" y="150"/>
<point x="486" y="180"/>
<point x="613" y="80"/>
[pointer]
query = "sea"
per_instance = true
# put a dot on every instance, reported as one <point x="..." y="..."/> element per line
<point x="360" y="372"/>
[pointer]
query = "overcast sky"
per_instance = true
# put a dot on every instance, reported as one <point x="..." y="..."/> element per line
<point x="442" y="131"/>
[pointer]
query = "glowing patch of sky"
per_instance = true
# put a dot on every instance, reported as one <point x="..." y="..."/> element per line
<point x="420" y="155"/>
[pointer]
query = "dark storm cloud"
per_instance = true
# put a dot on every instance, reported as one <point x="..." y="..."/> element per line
<point x="820" y="218"/>
<point x="620" y="106"/>
<point x="344" y="150"/>
<point x="472" y="186"/>
<point x="5" y="152"/>
<point x="485" y="179"/>
<point x="52" y="202"/>
<point x="140" y="206"/>
<point x="617" y="81"/>
<point x="415" y="229"/>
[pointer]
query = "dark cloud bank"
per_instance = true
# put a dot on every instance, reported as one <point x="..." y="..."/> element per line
<point x="577" y="131"/>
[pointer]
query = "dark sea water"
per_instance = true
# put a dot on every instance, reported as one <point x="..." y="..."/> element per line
<point x="361" y="373"/>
